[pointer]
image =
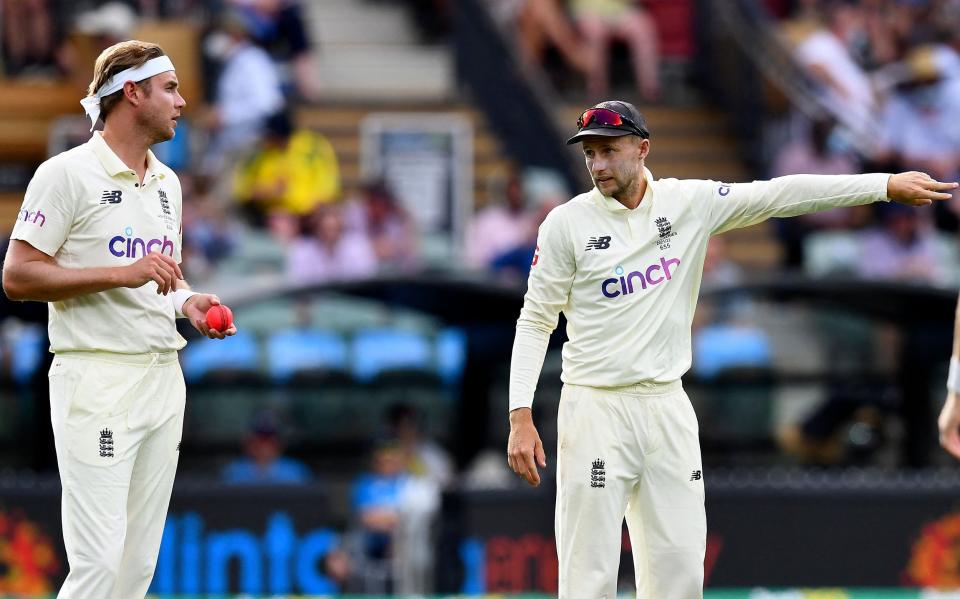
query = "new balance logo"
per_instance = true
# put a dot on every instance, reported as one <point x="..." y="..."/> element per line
<point x="106" y="443"/>
<point x="598" y="243"/>
<point x="598" y="477"/>
<point x="111" y="197"/>
<point x="696" y="475"/>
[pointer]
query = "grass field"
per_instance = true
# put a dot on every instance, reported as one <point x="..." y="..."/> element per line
<point x="825" y="593"/>
<point x="709" y="594"/>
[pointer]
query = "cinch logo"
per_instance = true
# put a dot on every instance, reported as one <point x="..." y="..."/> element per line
<point x="127" y="245"/>
<point x="624" y="285"/>
<point x="32" y="217"/>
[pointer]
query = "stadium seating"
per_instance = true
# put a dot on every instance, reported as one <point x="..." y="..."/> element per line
<point x="290" y="352"/>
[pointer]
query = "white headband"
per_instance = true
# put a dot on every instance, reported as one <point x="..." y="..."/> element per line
<point x="154" y="66"/>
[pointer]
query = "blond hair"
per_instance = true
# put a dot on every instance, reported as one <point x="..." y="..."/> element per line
<point x="117" y="58"/>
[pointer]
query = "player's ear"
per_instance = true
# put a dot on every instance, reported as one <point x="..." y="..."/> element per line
<point x="132" y="92"/>
<point x="644" y="148"/>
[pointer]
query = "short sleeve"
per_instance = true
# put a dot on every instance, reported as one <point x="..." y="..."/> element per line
<point x="47" y="213"/>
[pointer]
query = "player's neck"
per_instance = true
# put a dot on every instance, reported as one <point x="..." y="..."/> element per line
<point x="633" y="195"/>
<point x="129" y="146"/>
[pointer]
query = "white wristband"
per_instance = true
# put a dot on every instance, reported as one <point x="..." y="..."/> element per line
<point x="180" y="297"/>
<point x="953" y="377"/>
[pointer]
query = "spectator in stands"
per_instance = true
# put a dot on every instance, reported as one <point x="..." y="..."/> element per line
<point x="209" y="234"/>
<point x="377" y="497"/>
<point x="718" y="268"/>
<point x="501" y="225"/>
<point x="826" y="55"/>
<point x="903" y="247"/>
<point x="603" y="21"/>
<point x="29" y="44"/>
<point x="278" y="26"/>
<point x="264" y="462"/>
<point x="94" y="29"/>
<point x="425" y="457"/>
<point x="394" y="510"/>
<point x="328" y="252"/>
<point x="920" y="124"/>
<point x="514" y="263"/>
<point x="247" y="92"/>
<point x="291" y="171"/>
<point x="378" y="215"/>
<point x="538" y="25"/>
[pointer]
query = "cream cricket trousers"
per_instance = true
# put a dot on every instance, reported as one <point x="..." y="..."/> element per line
<point x="117" y="421"/>
<point x="635" y="452"/>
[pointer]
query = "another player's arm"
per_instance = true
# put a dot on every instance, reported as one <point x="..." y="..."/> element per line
<point x="949" y="420"/>
<point x="548" y="291"/>
<point x="30" y="274"/>
<point x="745" y="204"/>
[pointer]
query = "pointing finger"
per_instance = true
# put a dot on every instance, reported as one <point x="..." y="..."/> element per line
<point x="941" y="185"/>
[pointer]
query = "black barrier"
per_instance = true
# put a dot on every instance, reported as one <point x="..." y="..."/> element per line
<point x="788" y="529"/>
<point x="769" y="529"/>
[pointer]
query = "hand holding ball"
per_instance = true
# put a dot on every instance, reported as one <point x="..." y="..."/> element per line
<point x="219" y="318"/>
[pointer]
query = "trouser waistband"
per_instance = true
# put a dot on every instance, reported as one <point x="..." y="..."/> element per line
<point x="147" y="359"/>
<point x="647" y="388"/>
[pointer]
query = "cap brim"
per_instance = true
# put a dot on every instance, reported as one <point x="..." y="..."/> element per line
<point x="599" y="132"/>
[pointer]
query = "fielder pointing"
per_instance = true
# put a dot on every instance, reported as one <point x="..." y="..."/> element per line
<point x="99" y="238"/>
<point x="623" y="262"/>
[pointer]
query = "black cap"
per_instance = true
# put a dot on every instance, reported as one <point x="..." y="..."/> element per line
<point x="624" y="109"/>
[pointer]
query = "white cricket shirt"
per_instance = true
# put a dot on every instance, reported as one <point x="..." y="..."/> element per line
<point x="628" y="280"/>
<point x="86" y="208"/>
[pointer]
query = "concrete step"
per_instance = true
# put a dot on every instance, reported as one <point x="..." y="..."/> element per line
<point x="387" y="25"/>
<point x="348" y="146"/>
<point x="396" y="72"/>
<point x="337" y="117"/>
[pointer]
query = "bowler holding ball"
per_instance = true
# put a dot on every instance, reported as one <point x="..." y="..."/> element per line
<point x="98" y="238"/>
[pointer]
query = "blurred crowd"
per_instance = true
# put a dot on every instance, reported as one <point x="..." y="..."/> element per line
<point x="887" y="73"/>
<point x="393" y="503"/>
<point x="284" y="191"/>
<point x="582" y="34"/>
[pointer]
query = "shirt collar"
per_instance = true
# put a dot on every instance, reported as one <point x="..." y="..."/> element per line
<point x="614" y="206"/>
<point x="112" y="163"/>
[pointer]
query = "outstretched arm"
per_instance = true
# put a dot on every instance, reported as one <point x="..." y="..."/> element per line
<point x="731" y="206"/>
<point x="949" y="421"/>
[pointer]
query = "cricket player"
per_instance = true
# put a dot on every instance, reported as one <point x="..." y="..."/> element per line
<point x="949" y="420"/>
<point x="623" y="262"/>
<point x="99" y="239"/>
